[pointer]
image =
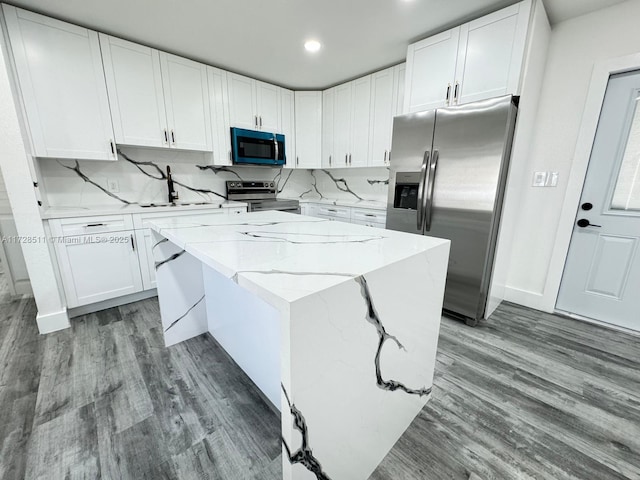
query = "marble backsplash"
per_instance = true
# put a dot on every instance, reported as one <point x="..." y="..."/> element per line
<point x="139" y="176"/>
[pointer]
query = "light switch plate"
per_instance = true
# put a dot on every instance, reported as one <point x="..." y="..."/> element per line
<point x="552" y="179"/>
<point x="539" y="179"/>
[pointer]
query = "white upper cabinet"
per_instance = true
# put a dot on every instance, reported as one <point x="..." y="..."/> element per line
<point x="253" y="105"/>
<point x="59" y="68"/>
<point x="157" y="99"/>
<point x="288" y="122"/>
<point x="360" y="114"/>
<point x="490" y="54"/>
<point x="478" y="60"/>
<point x="328" y="109"/>
<point x="219" y="102"/>
<point x="342" y="124"/>
<point x="134" y="83"/>
<point x="186" y="96"/>
<point x="242" y="102"/>
<point x="268" y="107"/>
<point x="308" y="129"/>
<point x="431" y="68"/>
<point x="383" y="95"/>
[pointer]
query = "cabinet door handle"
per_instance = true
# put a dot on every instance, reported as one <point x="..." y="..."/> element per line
<point x="329" y="160"/>
<point x="255" y="121"/>
<point x="297" y="160"/>
<point x="349" y="159"/>
<point x="89" y="225"/>
<point x="369" y="215"/>
<point x="133" y="245"/>
<point x="448" y="96"/>
<point x="260" y="121"/>
<point x="346" y="158"/>
<point x="166" y="137"/>
<point x="385" y="156"/>
<point x="113" y="148"/>
<point x="455" y="94"/>
<point x="230" y="159"/>
<point x="173" y="137"/>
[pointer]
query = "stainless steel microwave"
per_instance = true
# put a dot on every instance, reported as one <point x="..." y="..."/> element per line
<point x="251" y="147"/>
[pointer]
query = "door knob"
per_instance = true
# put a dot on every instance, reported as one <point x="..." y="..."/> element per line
<point x="586" y="206"/>
<point x="583" y="222"/>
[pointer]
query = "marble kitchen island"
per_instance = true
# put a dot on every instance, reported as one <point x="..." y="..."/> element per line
<point x="337" y="324"/>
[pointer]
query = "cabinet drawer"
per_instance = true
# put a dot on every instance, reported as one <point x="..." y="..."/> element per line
<point x="67" y="227"/>
<point x="235" y="211"/>
<point x="339" y="213"/>
<point x="359" y="215"/>
<point x="142" y="220"/>
<point x="368" y="223"/>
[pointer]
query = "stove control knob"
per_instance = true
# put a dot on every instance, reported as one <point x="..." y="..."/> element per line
<point x="271" y="184"/>
<point x="266" y="184"/>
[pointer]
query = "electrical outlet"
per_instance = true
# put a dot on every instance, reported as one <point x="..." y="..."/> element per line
<point x="113" y="186"/>
<point x="552" y="179"/>
<point x="539" y="179"/>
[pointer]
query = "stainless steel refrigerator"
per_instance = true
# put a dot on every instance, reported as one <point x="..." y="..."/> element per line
<point x="447" y="179"/>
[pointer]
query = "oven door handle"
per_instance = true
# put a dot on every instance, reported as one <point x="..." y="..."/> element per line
<point x="423" y="175"/>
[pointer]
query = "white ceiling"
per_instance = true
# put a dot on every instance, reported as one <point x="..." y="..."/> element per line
<point x="264" y="38"/>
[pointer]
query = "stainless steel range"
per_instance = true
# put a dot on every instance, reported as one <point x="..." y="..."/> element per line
<point x="260" y="196"/>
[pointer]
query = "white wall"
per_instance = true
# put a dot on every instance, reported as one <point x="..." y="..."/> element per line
<point x="576" y="46"/>
<point x="16" y="170"/>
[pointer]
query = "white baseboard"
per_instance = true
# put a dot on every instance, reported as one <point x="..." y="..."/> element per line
<point x="52" y="322"/>
<point x="526" y="298"/>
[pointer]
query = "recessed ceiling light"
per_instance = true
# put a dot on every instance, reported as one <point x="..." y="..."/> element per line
<point x="312" y="46"/>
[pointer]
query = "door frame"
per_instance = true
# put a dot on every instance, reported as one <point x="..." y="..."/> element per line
<point x="602" y="71"/>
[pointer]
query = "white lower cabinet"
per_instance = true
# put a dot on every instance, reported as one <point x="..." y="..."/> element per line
<point x="101" y="258"/>
<point x="99" y="267"/>
<point x="360" y="216"/>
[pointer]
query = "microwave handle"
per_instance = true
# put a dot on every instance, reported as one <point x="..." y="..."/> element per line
<point x="275" y="143"/>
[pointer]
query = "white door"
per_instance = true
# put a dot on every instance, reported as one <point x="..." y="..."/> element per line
<point x="134" y="84"/>
<point x="490" y="54"/>
<point x="219" y="101"/>
<point x="308" y="129"/>
<point x="431" y="68"/>
<point x="602" y="273"/>
<point x="328" y="108"/>
<point x="288" y="126"/>
<point x="186" y="94"/>
<point x="382" y="112"/>
<point x="342" y="125"/>
<point x="62" y="82"/>
<point x="242" y="102"/>
<point x="99" y="267"/>
<point x="268" y="107"/>
<point x="359" y="152"/>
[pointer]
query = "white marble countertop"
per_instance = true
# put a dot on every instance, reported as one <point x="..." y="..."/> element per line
<point x="93" y="210"/>
<point x="283" y="256"/>
<point x="370" y="204"/>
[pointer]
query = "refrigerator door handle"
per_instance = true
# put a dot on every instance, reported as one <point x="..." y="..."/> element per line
<point x="423" y="175"/>
<point x="428" y="197"/>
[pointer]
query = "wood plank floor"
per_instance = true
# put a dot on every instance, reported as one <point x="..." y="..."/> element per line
<point x="525" y="395"/>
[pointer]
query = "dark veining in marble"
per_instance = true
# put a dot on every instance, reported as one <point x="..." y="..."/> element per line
<point x="341" y="184"/>
<point x="383" y="336"/>
<point x="270" y="236"/>
<point x="88" y="180"/>
<point x="170" y="259"/>
<point x="184" y="314"/>
<point x="218" y="169"/>
<point x="160" y="175"/>
<point x="376" y="182"/>
<point x="279" y="178"/>
<point x="314" y="186"/>
<point x="304" y="454"/>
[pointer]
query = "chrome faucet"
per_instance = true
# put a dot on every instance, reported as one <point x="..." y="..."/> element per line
<point x="173" y="195"/>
